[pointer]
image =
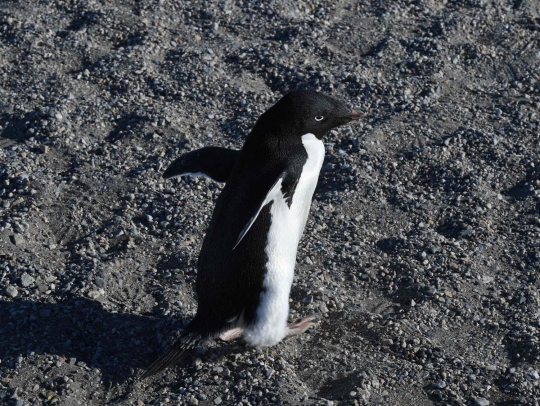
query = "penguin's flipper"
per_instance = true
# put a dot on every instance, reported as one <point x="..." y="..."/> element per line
<point x="215" y="163"/>
<point x="272" y="193"/>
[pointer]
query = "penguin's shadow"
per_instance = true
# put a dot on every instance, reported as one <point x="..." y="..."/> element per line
<point x="115" y="343"/>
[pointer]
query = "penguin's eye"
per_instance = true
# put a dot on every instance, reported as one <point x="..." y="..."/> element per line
<point x="319" y="118"/>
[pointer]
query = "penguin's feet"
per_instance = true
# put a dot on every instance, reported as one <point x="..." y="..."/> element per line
<point x="298" y="327"/>
<point x="231" y="334"/>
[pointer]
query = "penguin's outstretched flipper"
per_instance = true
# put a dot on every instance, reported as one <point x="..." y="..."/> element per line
<point x="187" y="341"/>
<point x="215" y="163"/>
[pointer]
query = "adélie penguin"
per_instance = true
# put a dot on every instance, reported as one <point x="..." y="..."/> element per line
<point x="246" y="264"/>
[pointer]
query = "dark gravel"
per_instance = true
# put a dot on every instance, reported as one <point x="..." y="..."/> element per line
<point x="422" y="251"/>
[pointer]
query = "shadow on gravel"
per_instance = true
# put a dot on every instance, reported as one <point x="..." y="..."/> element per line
<point x="125" y="126"/>
<point x="15" y="129"/>
<point x="339" y="389"/>
<point x="81" y="329"/>
<point x="524" y="189"/>
<point x="390" y="245"/>
<point x="85" y="19"/>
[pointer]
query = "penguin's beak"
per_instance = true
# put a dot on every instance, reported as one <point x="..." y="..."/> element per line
<point x="355" y="115"/>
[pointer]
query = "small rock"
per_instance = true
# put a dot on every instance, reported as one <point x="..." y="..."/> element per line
<point x="44" y="149"/>
<point x="16" y="239"/>
<point x="308" y="299"/>
<point x="481" y="402"/>
<point x="439" y="384"/>
<point x="93" y="294"/>
<point x="217" y="400"/>
<point x="12" y="291"/>
<point x="26" y="280"/>
<point x="100" y="282"/>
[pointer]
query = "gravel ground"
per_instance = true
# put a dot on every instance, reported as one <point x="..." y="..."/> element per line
<point x="422" y="250"/>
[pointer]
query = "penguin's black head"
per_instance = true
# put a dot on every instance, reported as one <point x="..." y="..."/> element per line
<point x="306" y="111"/>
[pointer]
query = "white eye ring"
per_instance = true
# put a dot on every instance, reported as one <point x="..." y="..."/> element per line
<point x="319" y="118"/>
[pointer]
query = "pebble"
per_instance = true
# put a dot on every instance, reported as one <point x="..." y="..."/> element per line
<point x="439" y="384"/>
<point x="100" y="282"/>
<point x="26" y="280"/>
<point x="16" y="239"/>
<point x="11" y="291"/>
<point x="481" y="402"/>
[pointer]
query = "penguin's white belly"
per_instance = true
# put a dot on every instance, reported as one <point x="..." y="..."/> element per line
<point x="286" y="228"/>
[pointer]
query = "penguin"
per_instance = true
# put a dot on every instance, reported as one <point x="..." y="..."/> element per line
<point x="246" y="264"/>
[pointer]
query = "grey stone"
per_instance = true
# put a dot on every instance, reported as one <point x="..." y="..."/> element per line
<point x="26" y="280"/>
<point x="439" y="384"/>
<point x="100" y="282"/>
<point x="12" y="291"/>
<point x="16" y="239"/>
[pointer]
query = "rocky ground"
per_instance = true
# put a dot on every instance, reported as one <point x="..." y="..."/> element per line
<point x="422" y="251"/>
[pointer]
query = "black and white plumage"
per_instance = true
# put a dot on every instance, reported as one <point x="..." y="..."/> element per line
<point x="247" y="260"/>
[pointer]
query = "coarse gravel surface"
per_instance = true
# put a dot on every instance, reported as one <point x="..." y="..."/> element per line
<point x="422" y="250"/>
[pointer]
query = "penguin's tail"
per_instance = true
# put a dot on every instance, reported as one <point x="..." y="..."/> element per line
<point x="188" y="340"/>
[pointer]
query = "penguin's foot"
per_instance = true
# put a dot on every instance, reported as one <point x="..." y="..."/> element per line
<point x="298" y="327"/>
<point x="231" y="334"/>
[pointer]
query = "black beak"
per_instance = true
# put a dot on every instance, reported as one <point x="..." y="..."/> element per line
<point x="355" y="115"/>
